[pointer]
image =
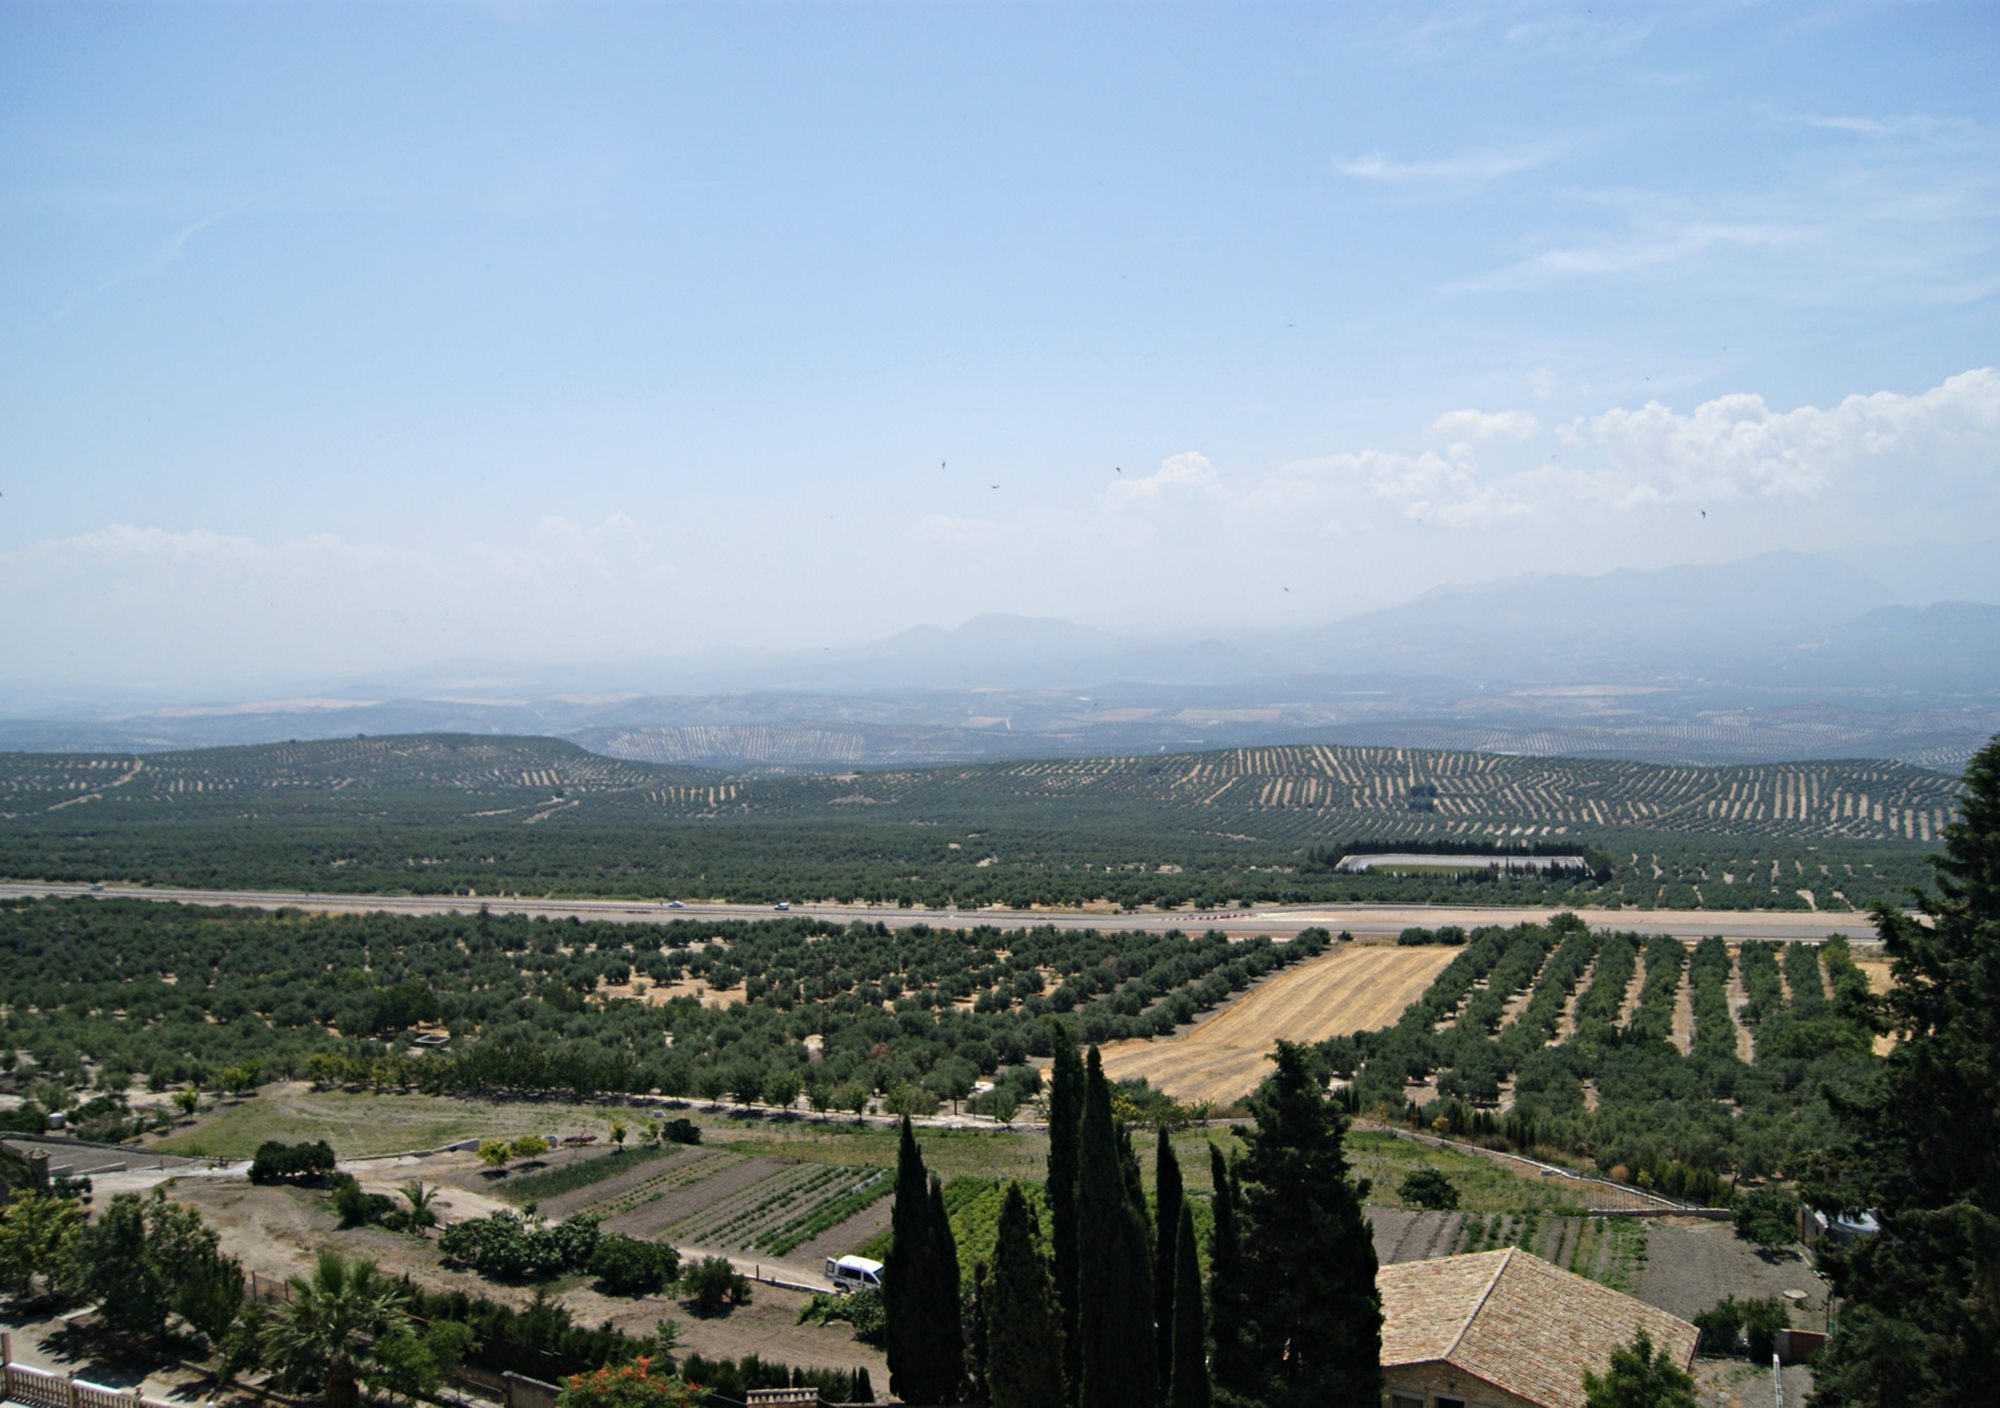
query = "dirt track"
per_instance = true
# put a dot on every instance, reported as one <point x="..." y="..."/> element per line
<point x="1222" y="1057"/>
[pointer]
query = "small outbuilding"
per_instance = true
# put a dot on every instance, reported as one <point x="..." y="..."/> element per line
<point x="1506" y="1330"/>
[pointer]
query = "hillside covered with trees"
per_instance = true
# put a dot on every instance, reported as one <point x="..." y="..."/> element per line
<point x="457" y="814"/>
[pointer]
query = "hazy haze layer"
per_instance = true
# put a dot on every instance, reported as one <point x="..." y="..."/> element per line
<point x="342" y="340"/>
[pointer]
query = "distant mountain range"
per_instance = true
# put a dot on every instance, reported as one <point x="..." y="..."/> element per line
<point x="1781" y="655"/>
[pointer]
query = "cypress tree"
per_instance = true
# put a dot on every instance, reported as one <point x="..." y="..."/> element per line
<point x="979" y="1347"/>
<point x="1317" y="1332"/>
<point x="1115" y="1264"/>
<point x="1065" y="1134"/>
<point x="921" y="1332"/>
<point x="1021" y="1323"/>
<point x="1190" y="1365"/>
<point x="1920" y="1318"/>
<point x="1228" y="1301"/>
<point x="1166" y="1222"/>
<point x="946" y="1330"/>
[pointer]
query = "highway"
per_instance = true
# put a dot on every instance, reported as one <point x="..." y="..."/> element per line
<point x="1361" y="920"/>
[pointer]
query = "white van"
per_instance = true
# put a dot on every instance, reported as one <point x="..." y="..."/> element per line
<point x="854" y="1273"/>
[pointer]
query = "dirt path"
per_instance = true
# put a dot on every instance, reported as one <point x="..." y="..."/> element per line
<point x="1738" y="996"/>
<point x="1566" y="1022"/>
<point x="1518" y="1002"/>
<point x="1630" y="1004"/>
<point x="1684" y="1014"/>
<point x="1356" y="987"/>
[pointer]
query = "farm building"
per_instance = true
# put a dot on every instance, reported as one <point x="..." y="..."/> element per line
<point x="1506" y="1330"/>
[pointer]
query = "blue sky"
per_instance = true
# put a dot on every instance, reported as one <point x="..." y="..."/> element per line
<point x="341" y="337"/>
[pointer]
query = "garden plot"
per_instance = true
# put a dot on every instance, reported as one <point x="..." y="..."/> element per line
<point x="1610" y="1250"/>
<point x="747" y="1204"/>
<point x="644" y="1176"/>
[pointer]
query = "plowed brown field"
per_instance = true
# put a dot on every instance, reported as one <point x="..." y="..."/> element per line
<point x="1224" y="1056"/>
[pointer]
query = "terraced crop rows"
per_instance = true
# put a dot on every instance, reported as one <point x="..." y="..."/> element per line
<point x="684" y="1174"/>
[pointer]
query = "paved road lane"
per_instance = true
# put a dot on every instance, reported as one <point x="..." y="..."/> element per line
<point x="1361" y="920"/>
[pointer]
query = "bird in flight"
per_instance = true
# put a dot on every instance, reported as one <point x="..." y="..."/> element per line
<point x="996" y="486"/>
<point x="1704" y="513"/>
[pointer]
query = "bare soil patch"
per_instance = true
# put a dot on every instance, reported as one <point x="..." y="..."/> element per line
<point x="1880" y="978"/>
<point x="1684" y="1014"/>
<point x="1692" y="1263"/>
<point x="610" y="1188"/>
<point x="844" y="1237"/>
<point x="1738" y="996"/>
<point x="649" y="1218"/>
<point x="660" y="994"/>
<point x="1222" y="1057"/>
<point x="276" y="1232"/>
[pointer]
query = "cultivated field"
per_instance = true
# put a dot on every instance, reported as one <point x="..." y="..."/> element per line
<point x="1355" y="988"/>
<point x="458" y="814"/>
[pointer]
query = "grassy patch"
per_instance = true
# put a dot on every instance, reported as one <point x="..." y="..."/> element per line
<point x="554" y="1182"/>
<point x="358" y="1125"/>
<point x="1483" y="1185"/>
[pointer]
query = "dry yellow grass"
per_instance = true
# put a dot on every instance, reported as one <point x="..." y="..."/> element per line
<point x="1223" y="1057"/>
<point x="1880" y="979"/>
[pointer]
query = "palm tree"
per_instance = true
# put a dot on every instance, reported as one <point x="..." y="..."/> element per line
<point x="334" y="1318"/>
<point x="421" y="1198"/>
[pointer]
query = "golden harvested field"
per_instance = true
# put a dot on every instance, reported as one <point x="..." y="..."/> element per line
<point x="1222" y="1058"/>
<point x="1880" y="980"/>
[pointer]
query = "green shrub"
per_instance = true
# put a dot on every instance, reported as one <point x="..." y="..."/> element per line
<point x="632" y="1266"/>
<point x="1428" y="1188"/>
<point x="713" y="1285"/>
<point x="1768" y="1217"/>
<point x="356" y="1208"/>
<point x="1721" y="1325"/>
<point x="278" y="1162"/>
<point x="861" y="1309"/>
<point x="507" y="1248"/>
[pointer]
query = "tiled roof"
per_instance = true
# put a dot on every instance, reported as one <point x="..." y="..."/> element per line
<point x="1515" y="1321"/>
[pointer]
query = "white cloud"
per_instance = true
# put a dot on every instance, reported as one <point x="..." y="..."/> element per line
<point x="1182" y="476"/>
<point x="1912" y="124"/>
<point x="155" y="263"/>
<point x="1633" y="250"/>
<point x="1425" y="488"/>
<point x="1736" y="447"/>
<point x="1475" y="167"/>
<point x="1483" y="425"/>
<point x="1917" y="454"/>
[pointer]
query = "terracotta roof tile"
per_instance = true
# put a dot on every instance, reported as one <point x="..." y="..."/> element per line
<point x="1517" y="1322"/>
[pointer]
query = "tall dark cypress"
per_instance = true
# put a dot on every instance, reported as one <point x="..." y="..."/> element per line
<point x="1065" y="1135"/>
<point x="1115" y="1263"/>
<point x="921" y="1336"/>
<point x="1166" y="1221"/>
<point x="945" y="1328"/>
<point x="1190" y="1366"/>
<point x="1228" y="1300"/>
<point x="978" y="1337"/>
<point x="1317" y="1331"/>
<point x="1022" y="1371"/>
